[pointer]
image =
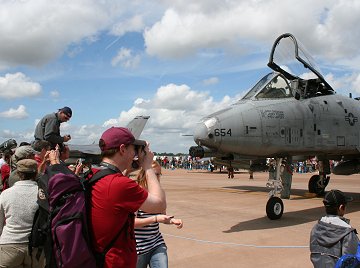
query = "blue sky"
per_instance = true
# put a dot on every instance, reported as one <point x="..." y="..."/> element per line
<point x="176" y="61"/>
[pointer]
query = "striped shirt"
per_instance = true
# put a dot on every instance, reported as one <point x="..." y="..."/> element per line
<point x="149" y="236"/>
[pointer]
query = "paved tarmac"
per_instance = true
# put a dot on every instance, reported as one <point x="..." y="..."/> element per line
<point x="225" y="223"/>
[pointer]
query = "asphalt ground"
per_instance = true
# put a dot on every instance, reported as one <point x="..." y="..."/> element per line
<point x="225" y="223"/>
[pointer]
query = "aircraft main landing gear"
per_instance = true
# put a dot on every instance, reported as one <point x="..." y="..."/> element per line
<point x="318" y="183"/>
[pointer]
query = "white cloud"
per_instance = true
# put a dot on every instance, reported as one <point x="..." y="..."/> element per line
<point x="134" y="24"/>
<point x="174" y="110"/>
<point x="126" y="58"/>
<point x="55" y="94"/>
<point x="355" y="84"/>
<point x="173" y="29"/>
<point x="17" y="85"/>
<point x="36" y="32"/>
<point x="211" y="81"/>
<point x="19" y="113"/>
<point x="247" y="26"/>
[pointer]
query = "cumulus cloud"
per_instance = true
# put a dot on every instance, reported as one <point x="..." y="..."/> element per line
<point x="211" y="81"/>
<point x="182" y="32"/>
<point x="356" y="83"/>
<point x="247" y="26"/>
<point x="126" y="58"/>
<point x="49" y="33"/>
<point x="19" y="113"/>
<point x="17" y="85"/>
<point x="174" y="110"/>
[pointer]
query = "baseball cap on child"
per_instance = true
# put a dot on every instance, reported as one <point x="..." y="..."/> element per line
<point x="336" y="198"/>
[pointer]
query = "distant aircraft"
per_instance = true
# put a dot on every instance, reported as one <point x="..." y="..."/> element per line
<point x="91" y="152"/>
<point x="286" y="115"/>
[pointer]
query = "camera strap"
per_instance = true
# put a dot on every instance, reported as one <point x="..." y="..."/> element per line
<point x="110" y="166"/>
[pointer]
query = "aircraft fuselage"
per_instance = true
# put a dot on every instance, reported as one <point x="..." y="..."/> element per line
<point x="325" y="125"/>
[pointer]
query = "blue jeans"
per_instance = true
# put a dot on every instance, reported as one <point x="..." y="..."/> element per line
<point x="156" y="258"/>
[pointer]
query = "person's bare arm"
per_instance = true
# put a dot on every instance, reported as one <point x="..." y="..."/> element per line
<point x="166" y="219"/>
<point x="156" y="200"/>
<point x="145" y="221"/>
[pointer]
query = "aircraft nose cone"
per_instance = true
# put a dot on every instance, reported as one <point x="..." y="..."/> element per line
<point x="200" y="133"/>
<point x="203" y="132"/>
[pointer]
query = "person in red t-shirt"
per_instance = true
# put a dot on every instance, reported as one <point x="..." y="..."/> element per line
<point x="115" y="198"/>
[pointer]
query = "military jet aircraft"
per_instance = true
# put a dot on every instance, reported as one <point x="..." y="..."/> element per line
<point x="91" y="153"/>
<point x="290" y="113"/>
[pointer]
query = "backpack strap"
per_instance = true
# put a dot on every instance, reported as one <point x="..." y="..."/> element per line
<point x="100" y="174"/>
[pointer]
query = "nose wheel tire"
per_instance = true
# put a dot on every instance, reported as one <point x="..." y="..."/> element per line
<point x="274" y="208"/>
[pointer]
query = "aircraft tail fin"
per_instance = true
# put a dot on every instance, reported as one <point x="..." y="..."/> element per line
<point x="137" y="125"/>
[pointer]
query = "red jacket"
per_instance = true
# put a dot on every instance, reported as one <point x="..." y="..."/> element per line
<point x="5" y="173"/>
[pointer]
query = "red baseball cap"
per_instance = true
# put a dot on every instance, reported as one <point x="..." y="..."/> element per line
<point x="115" y="136"/>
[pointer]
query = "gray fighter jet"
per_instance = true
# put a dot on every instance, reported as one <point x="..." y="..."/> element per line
<point x="291" y="113"/>
<point x="90" y="153"/>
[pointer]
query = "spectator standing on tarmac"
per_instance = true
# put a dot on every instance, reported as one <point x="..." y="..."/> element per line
<point x="150" y="244"/>
<point x="17" y="209"/>
<point x="230" y="171"/>
<point x="22" y="152"/>
<point x="48" y="127"/>
<point x="332" y="236"/>
<point x="115" y="198"/>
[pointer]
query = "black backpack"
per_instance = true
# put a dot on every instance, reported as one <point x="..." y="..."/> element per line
<point x="60" y="192"/>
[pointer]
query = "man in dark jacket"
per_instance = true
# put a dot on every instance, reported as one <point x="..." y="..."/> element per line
<point x="332" y="236"/>
<point x="48" y="127"/>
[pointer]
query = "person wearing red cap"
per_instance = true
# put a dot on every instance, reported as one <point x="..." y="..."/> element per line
<point x="115" y="198"/>
<point x="48" y="127"/>
<point x="332" y="236"/>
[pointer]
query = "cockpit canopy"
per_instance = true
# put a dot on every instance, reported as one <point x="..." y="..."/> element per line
<point x="276" y="86"/>
<point x="296" y="74"/>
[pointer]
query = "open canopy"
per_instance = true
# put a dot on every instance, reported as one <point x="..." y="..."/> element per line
<point x="290" y="58"/>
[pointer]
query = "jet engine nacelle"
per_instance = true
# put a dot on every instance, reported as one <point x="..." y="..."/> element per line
<point x="201" y="152"/>
<point x="347" y="167"/>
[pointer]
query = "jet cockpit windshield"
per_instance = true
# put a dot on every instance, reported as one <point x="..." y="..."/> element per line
<point x="271" y="86"/>
<point x="259" y="85"/>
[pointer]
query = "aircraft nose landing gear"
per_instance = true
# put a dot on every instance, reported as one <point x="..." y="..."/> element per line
<point x="274" y="206"/>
